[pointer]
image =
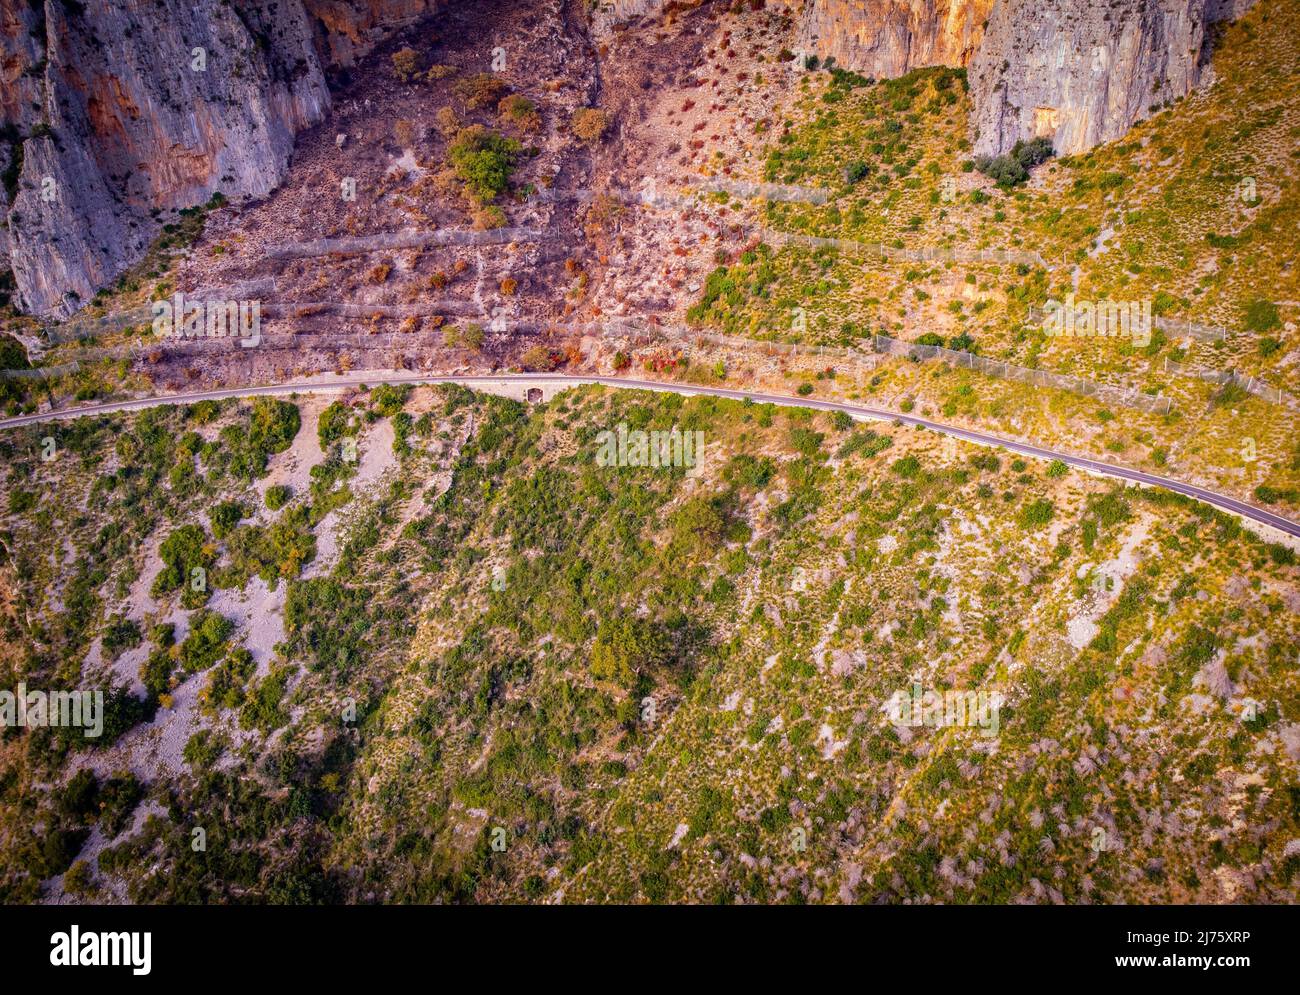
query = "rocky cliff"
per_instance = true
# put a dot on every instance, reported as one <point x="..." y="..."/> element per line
<point x="1082" y="73"/>
<point x="347" y="30"/>
<point x="1079" y="71"/>
<point x="112" y="115"/>
<point x="891" y="37"/>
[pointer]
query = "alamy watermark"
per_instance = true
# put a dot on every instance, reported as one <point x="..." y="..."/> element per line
<point x="66" y="709"/>
<point x="656" y="448"/>
<point x="102" y="949"/>
<point x="1102" y="319"/>
<point x="938" y="710"/>
<point x="182" y="318"/>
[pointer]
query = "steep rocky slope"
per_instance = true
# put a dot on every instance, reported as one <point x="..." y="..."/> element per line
<point x="478" y="665"/>
<point x="1080" y="73"/>
<point x="1076" y="71"/>
<point x="892" y="37"/>
<point x="114" y="116"/>
<point x="111" y="119"/>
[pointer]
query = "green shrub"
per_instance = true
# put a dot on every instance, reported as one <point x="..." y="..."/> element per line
<point x="273" y="426"/>
<point x="335" y="422"/>
<point x="182" y="552"/>
<point x="1012" y="169"/>
<point x="327" y="623"/>
<point x="856" y="172"/>
<point x="206" y="640"/>
<point x="118" y="797"/>
<point x="908" y="467"/>
<point x="79" y="798"/>
<point x="226" y="685"/>
<point x="483" y="161"/>
<point x="277" y="496"/>
<point x="388" y="399"/>
<point x="805" y="441"/>
<point x="625" y="646"/>
<point x="472" y="336"/>
<point x="1261" y="316"/>
<point x="866" y="443"/>
<point x="120" y="633"/>
<point x="745" y="470"/>
<point x="225" y="516"/>
<point x="1036" y="514"/>
<point x="262" y="709"/>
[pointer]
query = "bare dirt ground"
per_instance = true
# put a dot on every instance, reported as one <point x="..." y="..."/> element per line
<point x="691" y="95"/>
<point x="394" y="147"/>
<point x="686" y="96"/>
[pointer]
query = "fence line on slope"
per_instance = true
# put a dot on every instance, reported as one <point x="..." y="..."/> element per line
<point x="1154" y="404"/>
<point x="933" y="253"/>
<point x="647" y="334"/>
<point x="1252" y="385"/>
<point x="1176" y="327"/>
<point x="883" y="344"/>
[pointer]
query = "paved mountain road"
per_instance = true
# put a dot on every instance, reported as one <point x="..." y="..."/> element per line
<point x="524" y="380"/>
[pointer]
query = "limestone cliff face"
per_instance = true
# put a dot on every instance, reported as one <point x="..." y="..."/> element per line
<point x="1083" y="73"/>
<point x="891" y="37"/>
<point x="21" y="48"/>
<point x="347" y="30"/>
<point x="1078" y="71"/>
<point x="112" y="112"/>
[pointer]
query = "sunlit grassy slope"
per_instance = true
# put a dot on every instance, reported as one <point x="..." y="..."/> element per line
<point x="1165" y="215"/>
<point x="642" y="684"/>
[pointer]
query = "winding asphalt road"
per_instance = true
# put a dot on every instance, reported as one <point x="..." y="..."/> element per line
<point x="1224" y="502"/>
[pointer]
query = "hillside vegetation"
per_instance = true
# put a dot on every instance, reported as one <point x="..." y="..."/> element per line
<point x="516" y="674"/>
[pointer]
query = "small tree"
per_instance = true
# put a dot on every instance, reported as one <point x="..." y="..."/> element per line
<point x="483" y="161"/>
<point x="1013" y="168"/>
<point x="625" y="645"/>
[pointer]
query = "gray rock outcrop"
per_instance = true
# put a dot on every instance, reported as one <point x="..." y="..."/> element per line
<point x="891" y="37"/>
<point x="1083" y="73"/>
<point x="114" y="114"/>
